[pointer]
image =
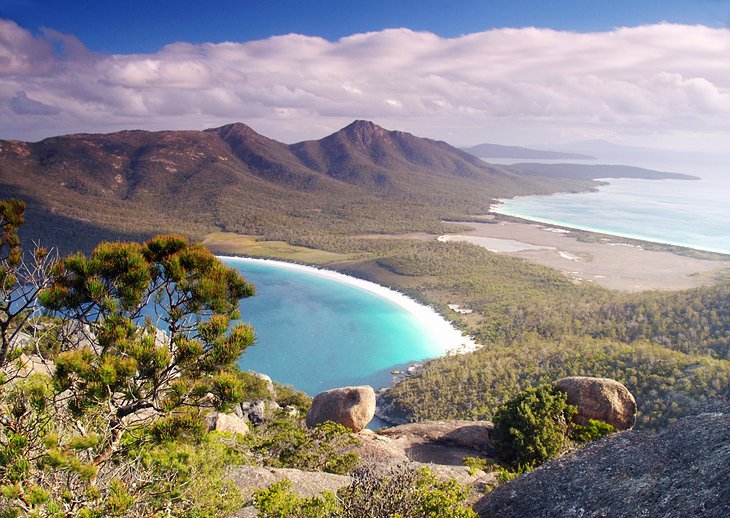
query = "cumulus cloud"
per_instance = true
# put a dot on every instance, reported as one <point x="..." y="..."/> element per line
<point x="534" y="83"/>
<point x="24" y="105"/>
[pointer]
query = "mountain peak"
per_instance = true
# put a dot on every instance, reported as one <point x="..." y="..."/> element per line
<point x="363" y="124"/>
<point x="363" y="133"/>
<point x="233" y="129"/>
<point x="363" y="127"/>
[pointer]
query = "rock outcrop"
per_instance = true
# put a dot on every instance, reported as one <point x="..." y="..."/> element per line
<point x="602" y="399"/>
<point x="352" y="407"/>
<point x="681" y="471"/>
<point x="254" y="413"/>
<point x="439" y="442"/>
<point x="220" y="422"/>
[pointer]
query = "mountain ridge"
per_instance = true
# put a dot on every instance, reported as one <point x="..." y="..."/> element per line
<point x="361" y="178"/>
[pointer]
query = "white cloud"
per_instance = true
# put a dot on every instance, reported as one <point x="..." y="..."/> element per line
<point x="24" y="105"/>
<point x="506" y="85"/>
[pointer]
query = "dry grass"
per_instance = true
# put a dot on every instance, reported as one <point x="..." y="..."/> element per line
<point x="237" y="244"/>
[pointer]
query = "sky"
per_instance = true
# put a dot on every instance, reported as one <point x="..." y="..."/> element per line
<point x="520" y="72"/>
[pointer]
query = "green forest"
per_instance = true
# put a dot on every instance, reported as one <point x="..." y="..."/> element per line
<point x="670" y="348"/>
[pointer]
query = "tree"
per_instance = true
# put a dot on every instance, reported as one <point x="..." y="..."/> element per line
<point x="82" y="440"/>
<point x="21" y="278"/>
<point x="127" y="366"/>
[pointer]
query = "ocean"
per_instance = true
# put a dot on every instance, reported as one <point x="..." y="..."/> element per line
<point x="318" y="329"/>
<point x="689" y="213"/>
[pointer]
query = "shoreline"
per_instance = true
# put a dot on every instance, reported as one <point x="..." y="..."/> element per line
<point x="454" y="341"/>
<point x="602" y="260"/>
<point x="498" y="209"/>
<point x="619" y="235"/>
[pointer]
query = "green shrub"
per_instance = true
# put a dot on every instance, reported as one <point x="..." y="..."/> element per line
<point x="277" y="501"/>
<point x="401" y="492"/>
<point x="287" y="443"/>
<point x="593" y="431"/>
<point x="477" y="463"/>
<point x="533" y="427"/>
<point x="288" y="395"/>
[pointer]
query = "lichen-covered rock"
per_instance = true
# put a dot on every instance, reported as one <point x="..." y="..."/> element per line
<point x="220" y="422"/>
<point x="352" y="407"/>
<point x="433" y="442"/>
<point x="473" y="435"/>
<point x="254" y="413"/>
<point x="602" y="399"/>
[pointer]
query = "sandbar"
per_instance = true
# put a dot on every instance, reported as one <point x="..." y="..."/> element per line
<point x="606" y="262"/>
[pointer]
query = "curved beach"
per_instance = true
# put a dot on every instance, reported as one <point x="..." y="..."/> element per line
<point x="450" y="340"/>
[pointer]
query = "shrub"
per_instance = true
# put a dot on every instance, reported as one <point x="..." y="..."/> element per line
<point x="477" y="463"/>
<point x="593" y="431"/>
<point x="533" y="427"/>
<point x="401" y="491"/>
<point x="287" y="443"/>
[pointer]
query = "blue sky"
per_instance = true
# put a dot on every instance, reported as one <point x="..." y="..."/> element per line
<point x="124" y="26"/>
<point x="652" y="73"/>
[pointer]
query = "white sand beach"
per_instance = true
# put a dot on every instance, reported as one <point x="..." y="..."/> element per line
<point x="450" y="339"/>
<point x="606" y="262"/>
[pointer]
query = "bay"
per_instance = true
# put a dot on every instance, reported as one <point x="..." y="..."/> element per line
<point x="689" y="213"/>
<point x="318" y="330"/>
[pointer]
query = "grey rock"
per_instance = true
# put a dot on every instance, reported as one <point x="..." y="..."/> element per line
<point x="254" y="413"/>
<point x="291" y="411"/>
<point x="680" y="471"/>
<point x="238" y="410"/>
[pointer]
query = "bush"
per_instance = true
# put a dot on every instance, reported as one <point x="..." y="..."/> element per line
<point x="401" y="491"/>
<point x="593" y="431"/>
<point x="533" y="427"/>
<point x="287" y="443"/>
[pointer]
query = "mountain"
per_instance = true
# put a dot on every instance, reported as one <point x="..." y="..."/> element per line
<point x="498" y="151"/>
<point x="131" y="184"/>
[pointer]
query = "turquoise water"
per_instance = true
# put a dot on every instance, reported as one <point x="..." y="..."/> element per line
<point x="691" y="213"/>
<point x="317" y="333"/>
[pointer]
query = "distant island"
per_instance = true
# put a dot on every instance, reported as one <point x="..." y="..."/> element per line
<point x="593" y="171"/>
<point x="498" y="151"/>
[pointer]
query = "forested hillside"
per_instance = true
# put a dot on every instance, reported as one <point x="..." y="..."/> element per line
<point x="670" y="348"/>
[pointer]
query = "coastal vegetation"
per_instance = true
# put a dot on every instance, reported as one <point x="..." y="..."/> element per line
<point x="533" y="427"/>
<point x="103" y="414"/>
<point x="401" y="491"/>
<point x="669" y="348"/>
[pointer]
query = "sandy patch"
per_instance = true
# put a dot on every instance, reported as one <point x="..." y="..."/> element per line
<point x="606" y="263"/>
<point x="494" y="244"/>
